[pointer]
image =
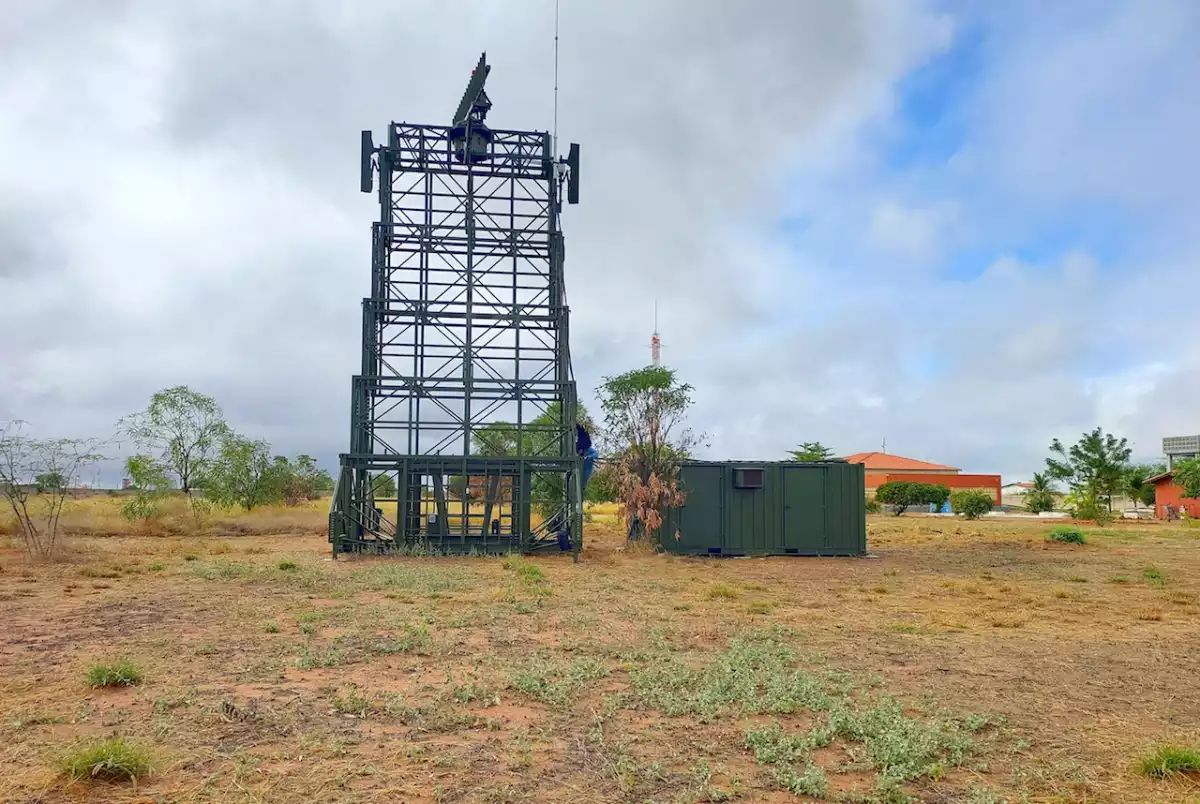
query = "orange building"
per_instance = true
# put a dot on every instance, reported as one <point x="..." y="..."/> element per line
<point x="1168" y="492"/>
<point x="881" y="467"/>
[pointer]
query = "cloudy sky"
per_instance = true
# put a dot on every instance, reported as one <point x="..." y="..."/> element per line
<point x="964" y="227"/>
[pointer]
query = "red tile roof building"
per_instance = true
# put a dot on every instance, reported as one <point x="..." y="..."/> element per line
<point x="881" y="467"/>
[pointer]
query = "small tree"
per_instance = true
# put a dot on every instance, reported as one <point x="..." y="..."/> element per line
<point x="150" y="484"/>
<point x="186" y="430"/>
<point x="602" y="487"/>
<point x="1093" y="468"/>
<point x="1135" y="486"/>
<point x="897" y="494"/>
<point x="49" y="482"/>
<point x="1187" y="474"/>
<point x="644" y="414"/>
<point x="243" y="474"/>
<point x="21" y="460"/>
<point x="811" y="451"/>
<point x="972" y="504"/>
<point x="902" y="494"/>
<point x="298" y="482"/>
<point x="933" y="494"/>
<point x="1041" y="497"/>
<point x="383" y="485"/>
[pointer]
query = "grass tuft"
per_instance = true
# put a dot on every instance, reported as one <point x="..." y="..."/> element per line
<point x="1153" y="575"/>
<point x="1066" y="534"/>
<point x="121" y="673"/>
<point x="287" y="565"/>
<point x="1168" y="761"/>
<point x="108" y="760"/>
<point x="722" y="591"/>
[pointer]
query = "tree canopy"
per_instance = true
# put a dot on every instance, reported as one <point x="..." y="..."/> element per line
<point x="811" y="451"/>
<point x="185" y="429"/>
<point x="1093" y="468"/>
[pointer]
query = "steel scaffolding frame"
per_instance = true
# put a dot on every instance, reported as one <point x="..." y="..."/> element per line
<point x="465" y="332"/>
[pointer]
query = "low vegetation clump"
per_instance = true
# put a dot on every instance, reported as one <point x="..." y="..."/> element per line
<point x="109" y="760"/>
<point x="554" y="683"/>
<point x="722" y="591"/>
<point x="123" y="673"/>
<point x="1067" y="535"/>
<point x="1169" y="761"/>
<point x="971" y="504"/>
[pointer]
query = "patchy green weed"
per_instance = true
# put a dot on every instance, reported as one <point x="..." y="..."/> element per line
<point x="1169" y="761"/>
<point x="119" y="673"/>
<point x="554" y="683"/>
<point x="110" y="760"/>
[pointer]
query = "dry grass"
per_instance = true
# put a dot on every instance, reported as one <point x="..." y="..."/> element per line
<point x="967" y="662"/>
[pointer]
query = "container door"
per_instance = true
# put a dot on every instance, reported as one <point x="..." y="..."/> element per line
<point x="700" y="518"/>
<point x="804" y="514"/>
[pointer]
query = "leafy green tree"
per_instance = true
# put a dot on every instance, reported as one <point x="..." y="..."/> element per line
<point x="49" y="481"/>
<point x="811" y="451"/>
<point x="299" y="481"/>
<point x="903" y="494"/>
<point x="644" y="416"/>
<point x="1042" y="482"/>
<point x="540" y="438"/>
<point x="1041" y="497"/>
<point x="184" y="428"/>
<point x="1093" y="468"/>
<point x="1187" y="474"/>
<point x="150" y="485"/>
<point x="972" y="504"/>
<point x="602" y="487"/>
<point x="896" y="493"/>
<point x="243" y="474"/>
<point x="1135" y="486"/>
<point x="547" y="493"/>
<point x="383" y="485"/>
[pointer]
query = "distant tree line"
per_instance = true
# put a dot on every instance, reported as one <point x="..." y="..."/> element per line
<point x="185" y="445"/>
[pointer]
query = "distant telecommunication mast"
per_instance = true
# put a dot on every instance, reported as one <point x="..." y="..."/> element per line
<point x="655" y="341"/>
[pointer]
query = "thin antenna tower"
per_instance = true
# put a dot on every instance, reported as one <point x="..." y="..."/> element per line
<point x="655" y="341"/>
<point x="556" y="72"/>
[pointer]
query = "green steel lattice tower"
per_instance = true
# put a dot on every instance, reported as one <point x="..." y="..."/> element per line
<point x="465" y="331"/>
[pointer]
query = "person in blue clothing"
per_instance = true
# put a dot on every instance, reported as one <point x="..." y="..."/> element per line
<point x="583" y="446"/>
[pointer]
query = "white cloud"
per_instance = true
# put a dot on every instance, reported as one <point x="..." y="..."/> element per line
<point x="917" y="233"/>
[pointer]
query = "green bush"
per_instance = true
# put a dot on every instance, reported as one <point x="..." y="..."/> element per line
<point x="1067" y="535"/>
<point x="1038" y="501"/>
<point x="873" y="507"/>
<point x="971" y="504"/>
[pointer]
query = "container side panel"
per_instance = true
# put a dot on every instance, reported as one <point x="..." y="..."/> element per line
<point x="846" y="533"/>
<point x="698" y="522"/>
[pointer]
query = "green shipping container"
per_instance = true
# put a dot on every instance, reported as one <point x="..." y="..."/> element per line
<point x="738" y="508"/>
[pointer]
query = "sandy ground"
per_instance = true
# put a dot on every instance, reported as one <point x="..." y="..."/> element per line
<point x="1023" y="668"/>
